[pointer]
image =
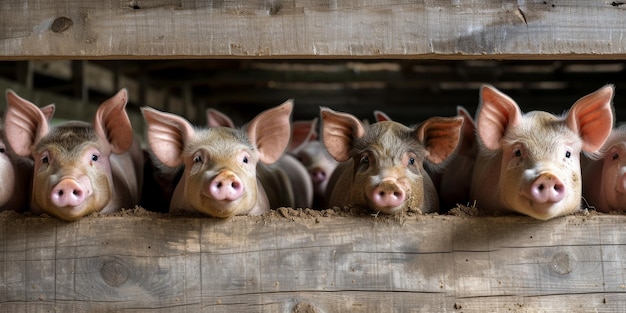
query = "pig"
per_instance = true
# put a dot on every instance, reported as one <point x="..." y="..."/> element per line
<point x="382" y="165"/>
<point x="313" y="156"/>
<point x="79" y="168"/>
<point x="456" y="177"/>
<point x="604" y="174"/>
<point x="16" y="172"/>
<point x="301" y="186"/>
<point x="452" y="180"/>
<point x="226" y="170"/>
<point x="530" y="163"/>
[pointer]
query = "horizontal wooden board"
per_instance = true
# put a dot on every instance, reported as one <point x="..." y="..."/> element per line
<point x="304" y="261"/>
<point x="310" y="29"/>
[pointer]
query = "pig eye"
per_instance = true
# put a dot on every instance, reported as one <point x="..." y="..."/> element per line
<point x="615" y="156"/>
<point x="45" y="159"/>
<point x="245" y="159"/>
<point x="94" y="157"/>
<point x="411" y="161"/>
<point x="365" y="160"/>
<point x="197" y="159"/>
<point x="568" y="154"/>
<point x="2" y="150"/>
<point x="517" y="152"/>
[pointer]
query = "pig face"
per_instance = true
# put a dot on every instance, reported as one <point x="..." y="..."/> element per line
<point x="538" y="153"/>
<point x="311" y="153"/>
<point x="386" y="171"/>
<point x="72" y="170"/>
<point x="220" y="177"/>
<point x="607" y="190"/>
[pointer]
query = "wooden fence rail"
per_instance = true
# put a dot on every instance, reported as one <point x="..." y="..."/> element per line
<point x="312" y="262"/>
<point x="311" y="29"/>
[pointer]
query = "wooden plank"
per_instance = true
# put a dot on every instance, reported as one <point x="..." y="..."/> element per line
<point x="321" y="262"/>
<point x="310" y="29"/>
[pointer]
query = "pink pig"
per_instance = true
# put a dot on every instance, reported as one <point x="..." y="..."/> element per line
<point x="16" y="172"/>
<point x="604" y="174"/>
<point x="530" y="163"/>
<point x="222" y="175"/>
<point x="301" y="186"/>
<point x="78" y="168"/>
<point x="382" y="164"/>
<point x="452" y="180"/>
<point x="314" y="157"/>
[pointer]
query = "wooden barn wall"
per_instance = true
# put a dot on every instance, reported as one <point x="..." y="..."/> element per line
<point x="410" y="58"/>
<point x="298" y="262"/>
<point x="311" y="29"/>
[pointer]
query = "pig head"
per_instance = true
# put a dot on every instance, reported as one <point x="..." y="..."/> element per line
<point x="286" y="180"/>
<point x="311" y="153"/>
<point x="220" y="163"/>
<point x="78" y="168"/>
<point x="604" y="174"/>
<point x="383" y="164"/>
<point x="530" y="163"/>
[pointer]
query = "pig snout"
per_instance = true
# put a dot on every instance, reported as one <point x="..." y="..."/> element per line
<point x="225" y="186"/>
<point x="318" y="175"/>
<point x="70" y="193"/>
<point x="547" y="188"/>
<point x="387" y="194"/>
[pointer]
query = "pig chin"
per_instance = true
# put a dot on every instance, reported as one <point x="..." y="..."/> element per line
<point x="543" y="211"/>
<point x="220" y="208"/>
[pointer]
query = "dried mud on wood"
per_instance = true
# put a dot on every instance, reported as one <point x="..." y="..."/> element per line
<point x="308" y="216"/>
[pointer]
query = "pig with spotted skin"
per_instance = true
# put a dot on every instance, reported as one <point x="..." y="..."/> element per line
<point x="225" y="169"/>
<point x="382" y="165"/>
<point x="604" y="174"/>
<point x="530" y="163"/>
<point x="79" y="168"/>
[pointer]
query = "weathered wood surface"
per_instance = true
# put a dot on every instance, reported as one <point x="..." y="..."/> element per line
<point x="323" y="264"/>
<point x="289" y="28"/>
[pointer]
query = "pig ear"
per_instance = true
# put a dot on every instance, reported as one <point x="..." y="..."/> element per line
<point x="167" y="134"/>
<point x="468" y="131"/>
<point x="216" y="118"/>
<point x="496" y="113"/>
<point x="592" y="117"/>
<point x="302" y="132"/>
<point x="338" y="132"/>
<point x="440" y="136"/>
<point x="380" y="116"/>
<point x="112" y="123"/>
<point x="25" y="124"/>
<point x="48" y="111"/>
<point x="270" y="131"/>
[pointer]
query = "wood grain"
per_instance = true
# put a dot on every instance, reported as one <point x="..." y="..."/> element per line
<point x="329" y="264"/>
<point x="310" y="29"/>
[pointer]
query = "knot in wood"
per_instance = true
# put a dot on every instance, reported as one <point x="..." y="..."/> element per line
<point x="61" y="24"/>
<point x="303" y="307"/>
<point x="114" y="273"/>
<point x="562" y="263"/>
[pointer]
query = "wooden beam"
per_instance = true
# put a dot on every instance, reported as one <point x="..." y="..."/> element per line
<point x="311" y="29"/>
<point x="328" y="262"/>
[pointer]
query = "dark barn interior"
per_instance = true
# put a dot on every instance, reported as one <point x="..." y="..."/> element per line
<point x="409" y="91"/>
